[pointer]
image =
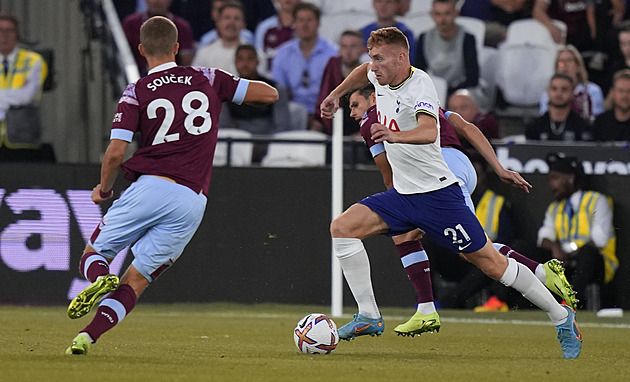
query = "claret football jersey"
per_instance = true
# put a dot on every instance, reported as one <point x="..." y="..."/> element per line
<point x="176" y="111"/>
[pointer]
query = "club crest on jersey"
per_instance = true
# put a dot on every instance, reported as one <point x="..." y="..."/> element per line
<point x="397" y="105"/>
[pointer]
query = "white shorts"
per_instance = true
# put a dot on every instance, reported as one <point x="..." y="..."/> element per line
<point x="464" y="171"/>
<point x="159" y="216"/>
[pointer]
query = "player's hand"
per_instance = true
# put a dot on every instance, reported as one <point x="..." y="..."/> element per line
<point x="99" y="196"/>
<point x="329" y="106"/>
<point x="380" y="133"/>
<point x="515" y="179"/>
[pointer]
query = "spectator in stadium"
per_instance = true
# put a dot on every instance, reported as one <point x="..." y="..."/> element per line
<point x="258" y="120"/>
<point x="463" y="103"/>
<point x="22" y="76"/>
<point x="614" y="124"/>
<point x="588" y="99"/>
<point x="578" y="15"/>
<point x="386" y="12"/>
<point x="163" y="208"/>
<point x="131" y="26"/>
<point x="215" y="34"/>
<point x="351" y="49"/>
<point x="299" y="63"/>
<point x="622" y="60"/>
<point x="275" y="31"/>
<point x="578" y="227"/>
<point x="220" y="54"/>
<point x="560" y="122"/>
<point x="447" y="50"/>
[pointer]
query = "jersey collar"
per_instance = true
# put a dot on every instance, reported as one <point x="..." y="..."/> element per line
<point x="162" y="67"/>
<point x="395" y="87"/>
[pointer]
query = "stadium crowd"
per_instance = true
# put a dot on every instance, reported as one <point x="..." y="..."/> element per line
<point x="307" y="48"/>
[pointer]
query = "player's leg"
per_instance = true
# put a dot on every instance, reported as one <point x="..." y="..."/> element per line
<point x="95" y="268"/>
<point x="416" y="264"/>
<point x="347" y="230"/>
<point x="550" y="273"/>
<point x="168" y="223"/>
<point x="111" y="311"/>
<point x="516" y="275"/>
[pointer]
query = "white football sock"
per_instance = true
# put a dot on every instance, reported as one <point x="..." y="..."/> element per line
<point x="426" y="307"/>
<point x="523" y="280"/>
<point x="356" y="269"/>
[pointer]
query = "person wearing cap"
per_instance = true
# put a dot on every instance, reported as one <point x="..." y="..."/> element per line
<point x="578" y="227"/>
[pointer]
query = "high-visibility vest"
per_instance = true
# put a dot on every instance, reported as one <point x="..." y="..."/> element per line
<point x="16" y="78"/>
<point x="577" y="228"/>
<point x="488" y="210"/>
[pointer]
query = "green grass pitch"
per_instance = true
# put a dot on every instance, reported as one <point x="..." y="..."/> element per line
<point x="231" y="342"/>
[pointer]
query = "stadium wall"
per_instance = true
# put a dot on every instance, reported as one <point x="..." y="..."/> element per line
<point x="264" y="238"/>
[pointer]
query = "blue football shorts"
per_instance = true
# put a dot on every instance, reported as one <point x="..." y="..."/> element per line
<point x="159" y="216"/>
<point x="464" y="171"/>
<point x="443" y="214"/>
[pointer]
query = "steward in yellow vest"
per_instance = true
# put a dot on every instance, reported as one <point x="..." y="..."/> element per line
<point x="22" y="75"/>
<point x="578" y="227"/>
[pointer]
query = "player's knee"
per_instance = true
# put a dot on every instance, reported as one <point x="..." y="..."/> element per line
<point x="338" y="228"/>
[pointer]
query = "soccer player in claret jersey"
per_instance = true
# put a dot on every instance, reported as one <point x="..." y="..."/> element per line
<point x="415" y="261"/>
<point x="425" y="193"/>
<point x="176" y="110"/>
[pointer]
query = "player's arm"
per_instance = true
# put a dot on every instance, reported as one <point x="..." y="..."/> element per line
<point x="110" y="168"/>
<point x="426" y="131"/>
<point x="386" y="170"/>
<point x="480" y="143"/>
<point x="357" y="78"/>
<point x="260" y="93"/>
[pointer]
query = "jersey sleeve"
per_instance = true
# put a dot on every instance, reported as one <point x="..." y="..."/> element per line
<point x="127" y="115"/>
<point x="425" y="98"/>
<point x="370" y="118"/>
<point x="228" y="87"/>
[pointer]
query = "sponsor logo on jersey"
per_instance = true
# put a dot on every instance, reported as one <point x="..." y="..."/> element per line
<point x="424" y="105"/>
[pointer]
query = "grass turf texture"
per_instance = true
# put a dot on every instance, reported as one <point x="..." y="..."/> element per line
<point x="230" y="342"/>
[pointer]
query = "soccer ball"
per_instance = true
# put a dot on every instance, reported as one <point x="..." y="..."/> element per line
<point x="316" y="334"/>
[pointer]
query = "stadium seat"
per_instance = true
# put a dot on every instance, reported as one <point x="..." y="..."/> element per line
<point x="441" y="86"/>
<point x="525" y="63"/>
<point x="284" y="154"/>
<point x="241" y="152"/>
<point x="475" y="27"/>
<point x="333" y="25"/>
<point x="418" y="22"/>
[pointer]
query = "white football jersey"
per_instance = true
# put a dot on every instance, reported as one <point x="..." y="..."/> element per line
<point x="416" y="168"/>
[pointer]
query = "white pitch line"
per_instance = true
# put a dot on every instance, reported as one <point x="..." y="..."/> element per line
<point x="487" y="321"/>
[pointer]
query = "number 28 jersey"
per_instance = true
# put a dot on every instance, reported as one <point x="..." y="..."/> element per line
<point x="416" y="168"/>
<point x="176" y="110"/>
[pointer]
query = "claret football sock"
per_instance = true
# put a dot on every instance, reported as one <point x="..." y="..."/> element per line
<point x="512" y="254"/>
<point x="111" y="311"/>
<point x="93" y="265"/>
<point x="417" y="267"/>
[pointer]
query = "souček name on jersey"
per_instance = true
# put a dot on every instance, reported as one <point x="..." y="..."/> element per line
<point x="165" y="80"/>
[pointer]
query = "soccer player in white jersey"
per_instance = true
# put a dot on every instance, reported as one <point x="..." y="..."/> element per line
<point x="425" y="193"/>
